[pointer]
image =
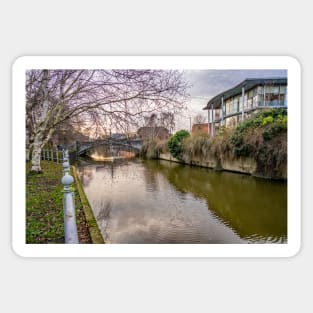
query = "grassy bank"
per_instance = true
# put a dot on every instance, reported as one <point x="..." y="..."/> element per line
<point x="44" y="207"/>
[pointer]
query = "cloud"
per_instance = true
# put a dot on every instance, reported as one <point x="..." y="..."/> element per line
<point x="209" y="83"/>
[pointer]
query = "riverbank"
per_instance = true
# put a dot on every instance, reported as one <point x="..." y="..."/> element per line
<point x="44" y="207"/>
<point x="242" y="165"/>
<point x="94" y="231"/>
<point x="257" y="147"/>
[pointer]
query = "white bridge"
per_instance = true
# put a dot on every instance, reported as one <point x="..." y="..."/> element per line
<point x="133" y="144"/>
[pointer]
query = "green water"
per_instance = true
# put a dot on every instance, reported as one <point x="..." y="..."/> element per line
<point x="155" y="201"/>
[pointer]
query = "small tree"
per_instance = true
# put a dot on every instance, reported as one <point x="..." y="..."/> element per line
<point x="175" y="143"/>
<point x="199" y="119"/>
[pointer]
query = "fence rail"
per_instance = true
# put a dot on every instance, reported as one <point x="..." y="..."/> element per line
<point x="52" y="155"/>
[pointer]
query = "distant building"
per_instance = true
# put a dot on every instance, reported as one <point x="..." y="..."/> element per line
<point x="203" y="127"/>
<point x="151" y="132"/>
<point x="233" y="105"/>
<point x="118" y="136"/>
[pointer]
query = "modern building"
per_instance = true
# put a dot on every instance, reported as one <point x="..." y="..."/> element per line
<point x="233" y="105"/>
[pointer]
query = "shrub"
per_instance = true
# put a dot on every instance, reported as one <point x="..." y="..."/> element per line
<point x="246" y="138"/>
<point x="221" y="144"/>
<point x="263" y="137"/>
<point x="196" y="146"/>
<point x="152" y="148"/>
<point x="175" y="143"/>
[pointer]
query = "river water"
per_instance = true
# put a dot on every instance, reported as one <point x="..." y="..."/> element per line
<point x="155" y="201"/>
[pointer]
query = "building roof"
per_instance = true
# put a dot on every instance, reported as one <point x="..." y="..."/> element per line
<point x="248" y="84"/>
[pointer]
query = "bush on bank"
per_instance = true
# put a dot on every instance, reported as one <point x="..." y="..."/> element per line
<point x="197" y="146"/>
<point x="264" y="138"/>
<point x="152" y="148"/>
<point x="175" y="143"/>
<point x="264" y="126"/>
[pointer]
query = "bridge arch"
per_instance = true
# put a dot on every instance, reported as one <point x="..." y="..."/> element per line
<point x="83" y="147"/>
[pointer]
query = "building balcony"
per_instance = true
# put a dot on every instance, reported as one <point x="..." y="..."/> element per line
<point x="271" y="105"/>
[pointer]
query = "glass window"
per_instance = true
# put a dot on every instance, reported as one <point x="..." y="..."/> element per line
<point x="283" y="89"/>
<point x="255" y="101"/>
<point x="250" y="101"/>
<point x="282" y="100"/>
<point x="272" y="89"/>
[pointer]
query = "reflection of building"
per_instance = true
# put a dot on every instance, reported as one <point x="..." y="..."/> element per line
<point x="150" y="132"/>
<point x="200" y="128"/>
<point x="232" y="106"/>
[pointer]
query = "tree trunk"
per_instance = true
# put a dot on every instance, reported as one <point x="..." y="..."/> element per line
<point x="37" y="146"/>
<point x="36" y="153"/>
<point x="28" y="150"/>
<point x="39" y="135"/>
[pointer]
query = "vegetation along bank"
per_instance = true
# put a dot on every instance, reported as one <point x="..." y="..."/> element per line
<point x="258" y="146"/>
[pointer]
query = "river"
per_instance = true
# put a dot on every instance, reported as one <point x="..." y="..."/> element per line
<point x="155" y="201"/>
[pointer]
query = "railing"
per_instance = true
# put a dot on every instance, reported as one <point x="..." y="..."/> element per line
<point x="247" y="110"/>
<point x="51" y="155"/>
<point x="70" y="229"/>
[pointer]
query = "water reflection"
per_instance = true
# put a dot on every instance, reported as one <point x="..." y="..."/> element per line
<point x="161" y="202"/>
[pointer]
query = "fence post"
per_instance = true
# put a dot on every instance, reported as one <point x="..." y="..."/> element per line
<point x="66" y="164"/>
<point x="70" y="229"/>
<point x="57" y="154"/>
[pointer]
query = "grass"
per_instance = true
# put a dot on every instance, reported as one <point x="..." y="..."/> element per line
<point x="44" y="207"/>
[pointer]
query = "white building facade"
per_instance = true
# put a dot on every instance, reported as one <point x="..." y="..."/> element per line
<point x="233" y="105"/>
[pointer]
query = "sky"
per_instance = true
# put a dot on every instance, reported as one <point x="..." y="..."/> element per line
<point x="205" y="84"/>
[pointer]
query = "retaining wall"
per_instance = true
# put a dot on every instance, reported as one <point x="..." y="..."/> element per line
<point x="243" y="165"/>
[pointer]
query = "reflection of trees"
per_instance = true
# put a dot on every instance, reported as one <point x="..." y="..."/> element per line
<point x="85" y="175"/>
<point x="150" y="178"/>
<point x="104" y="209"/>
<point x="249" y="205"/>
